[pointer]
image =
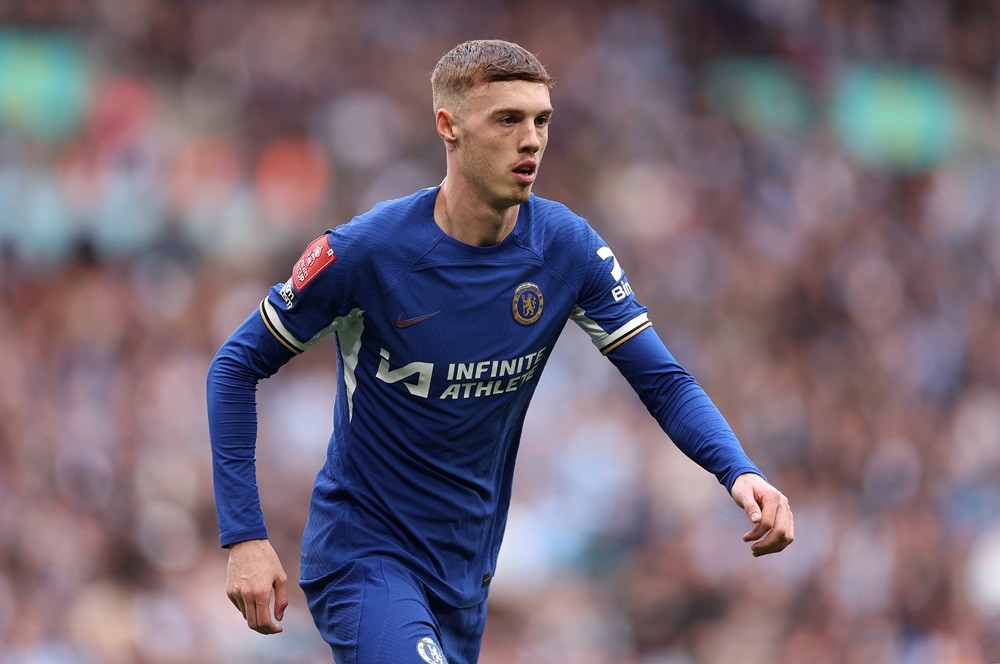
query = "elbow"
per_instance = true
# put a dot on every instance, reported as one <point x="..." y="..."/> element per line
<point x="216" y="369"/>
<point x="227" y="367"/>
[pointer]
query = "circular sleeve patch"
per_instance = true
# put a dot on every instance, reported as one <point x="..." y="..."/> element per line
<point x="430" y="652"/>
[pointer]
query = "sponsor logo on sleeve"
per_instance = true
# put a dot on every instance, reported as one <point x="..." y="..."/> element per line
<point x="316" y="257"/>
<point x="288" y="294"/>
<point x="621" y="288"/>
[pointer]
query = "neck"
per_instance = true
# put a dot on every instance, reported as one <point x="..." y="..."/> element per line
<point x="467" y="219"/>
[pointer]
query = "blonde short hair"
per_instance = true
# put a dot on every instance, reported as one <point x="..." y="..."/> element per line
<point x="481" y="61"/>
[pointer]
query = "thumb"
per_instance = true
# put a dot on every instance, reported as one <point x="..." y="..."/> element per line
<point x="746" y="498"/>
<point x="753" y="512"/>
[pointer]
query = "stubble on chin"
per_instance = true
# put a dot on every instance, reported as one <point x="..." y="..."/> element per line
<point x="516" y="196"/>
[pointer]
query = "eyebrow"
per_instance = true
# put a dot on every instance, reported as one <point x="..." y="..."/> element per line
<point x="521" y="111"/>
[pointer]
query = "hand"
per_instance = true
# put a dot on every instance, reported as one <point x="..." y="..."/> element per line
<point x="255" y="576"/>
<point x="768" y="510"/>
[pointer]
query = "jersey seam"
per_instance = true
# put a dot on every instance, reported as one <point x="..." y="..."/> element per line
<point x="544" y="263"/>
<point x="403" y="272"/>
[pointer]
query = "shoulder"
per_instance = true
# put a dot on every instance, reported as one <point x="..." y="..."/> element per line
<point x="553" y="225"/>
<point x="554" y="213"/>
<point x="402" y="226"/>
<point x="393" y="216"/>
<point x="388" y="239"/>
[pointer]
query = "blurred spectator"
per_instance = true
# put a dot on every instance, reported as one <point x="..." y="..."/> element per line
<point x="804" y="190"/>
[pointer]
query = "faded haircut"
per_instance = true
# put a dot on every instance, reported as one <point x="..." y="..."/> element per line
<point x="481" y="61"/>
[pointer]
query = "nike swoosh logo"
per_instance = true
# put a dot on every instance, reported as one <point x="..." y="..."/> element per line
<point x="406" y="322"/>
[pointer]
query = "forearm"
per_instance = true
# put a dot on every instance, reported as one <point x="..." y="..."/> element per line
<point x="682" y="408"/>
<point x="246" y="357"/>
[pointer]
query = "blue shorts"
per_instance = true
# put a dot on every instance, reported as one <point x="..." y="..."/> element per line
<point x="375" y="611"/>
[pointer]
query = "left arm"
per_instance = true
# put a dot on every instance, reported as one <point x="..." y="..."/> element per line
<point x="607" y="310"/>
<point x="687" y="414"/>
<point x="683" y="409"/>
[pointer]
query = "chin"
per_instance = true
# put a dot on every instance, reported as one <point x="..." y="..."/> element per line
<point x="511" y="199"/>
<point x="521" y="195"/>
<point x="510" y="195"/>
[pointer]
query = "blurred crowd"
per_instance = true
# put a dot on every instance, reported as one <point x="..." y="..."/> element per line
<point x="803" y="192"/>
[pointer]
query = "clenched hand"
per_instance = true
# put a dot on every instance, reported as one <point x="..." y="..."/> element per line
<point x="768" y="510"/>
<point x="254" y="577"/>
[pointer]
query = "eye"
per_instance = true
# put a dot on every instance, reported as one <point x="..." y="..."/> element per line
<point x="508" y="120"/>
<point x="542" y="120"/>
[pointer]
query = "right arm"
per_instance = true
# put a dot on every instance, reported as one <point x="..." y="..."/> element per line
<point x="251" y="354"/>
<point x="254" y="571"/>
<point x="293" y="317"/>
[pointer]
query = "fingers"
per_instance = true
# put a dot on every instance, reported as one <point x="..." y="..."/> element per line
<point x="259" y="615"/>
<point x="769" y="511"/>
<point x="280" y="597"/>
<point x="755" y="533"/>
<point x="237" y="599"/>
<point x="780" y="530"/>
<point x="255" y="578"/>
<point x="255" y="605"/>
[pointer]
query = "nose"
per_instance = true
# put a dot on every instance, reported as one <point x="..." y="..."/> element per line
<point x="531" y="139"/>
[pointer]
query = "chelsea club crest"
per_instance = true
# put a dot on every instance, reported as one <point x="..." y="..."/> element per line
<point x="429" y="652"/>
<point x="527" y="304"/>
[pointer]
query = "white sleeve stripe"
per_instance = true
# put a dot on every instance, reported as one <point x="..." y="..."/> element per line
<point x="618" y="342"/>
<point x="278" y="329"/>
<point x="601" y="339"/>
<point x="624" y="330"/>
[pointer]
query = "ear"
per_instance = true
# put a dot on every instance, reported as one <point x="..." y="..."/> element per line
<point x="447" y="129"/>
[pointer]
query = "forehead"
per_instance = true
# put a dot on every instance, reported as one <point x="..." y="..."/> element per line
<point x="520" y="95"/>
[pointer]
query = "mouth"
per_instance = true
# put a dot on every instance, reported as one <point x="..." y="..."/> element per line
<point x="525" y="171"/>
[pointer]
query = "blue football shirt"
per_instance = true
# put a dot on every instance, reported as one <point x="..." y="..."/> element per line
<point x="440" y="346"/>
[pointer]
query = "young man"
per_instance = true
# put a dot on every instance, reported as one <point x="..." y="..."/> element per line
<point x="444" y="305"/>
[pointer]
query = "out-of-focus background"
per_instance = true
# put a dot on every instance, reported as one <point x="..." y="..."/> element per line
<point x="806" y="194"/>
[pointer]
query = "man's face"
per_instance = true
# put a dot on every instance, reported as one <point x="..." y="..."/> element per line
<point x="503" y="130"/>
